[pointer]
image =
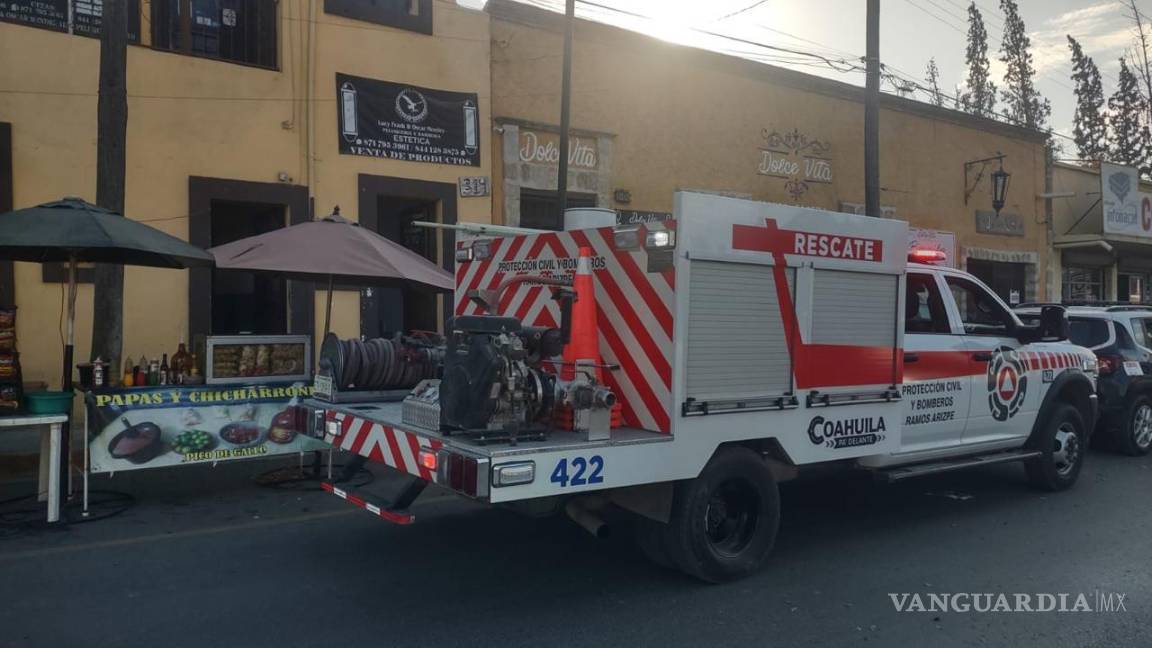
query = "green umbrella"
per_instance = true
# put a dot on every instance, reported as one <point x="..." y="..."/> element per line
<point x="73" y="231"/>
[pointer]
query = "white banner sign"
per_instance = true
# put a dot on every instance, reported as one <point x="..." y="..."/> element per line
<point x="1126" y="210"/>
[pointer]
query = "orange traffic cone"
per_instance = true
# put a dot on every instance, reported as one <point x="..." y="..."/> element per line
<point x="584" y="344"/>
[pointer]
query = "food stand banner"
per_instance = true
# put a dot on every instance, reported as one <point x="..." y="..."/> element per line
<point x="166" y="426"/>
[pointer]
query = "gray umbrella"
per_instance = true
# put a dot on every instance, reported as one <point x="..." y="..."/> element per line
<point x="72" y="231"/>
<point x="332" y="248"/>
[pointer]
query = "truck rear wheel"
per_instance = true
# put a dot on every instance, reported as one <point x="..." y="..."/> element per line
<point x="1063" y="444"/>
<point x="724" y="522"/>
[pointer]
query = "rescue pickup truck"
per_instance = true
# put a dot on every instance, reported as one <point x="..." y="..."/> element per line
<point x="740" y="343"/>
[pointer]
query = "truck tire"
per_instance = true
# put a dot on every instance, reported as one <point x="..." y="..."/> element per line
<point x="1062" y="443"/>
<point x="724" y="522"/>
<point x="1134" y="434"/>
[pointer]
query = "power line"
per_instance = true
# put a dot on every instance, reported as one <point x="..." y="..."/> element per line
<point x="840" y="65"/>
<point x="945" y="22"/>
<point x="992" y="13"/>
<point x="951" y="25"/>
<point x="740" y="11"/>
<point x="921" y="85"/>
<point x="905" y="83"/>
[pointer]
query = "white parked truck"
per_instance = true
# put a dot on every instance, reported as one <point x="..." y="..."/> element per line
<point x="740" y="343"/>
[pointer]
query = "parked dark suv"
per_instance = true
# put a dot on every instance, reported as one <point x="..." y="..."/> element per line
<point x="1121" y="337"/>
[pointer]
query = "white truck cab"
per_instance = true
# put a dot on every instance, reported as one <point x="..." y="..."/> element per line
<point x="739" y="344"/>
<point x="976" y="378"/>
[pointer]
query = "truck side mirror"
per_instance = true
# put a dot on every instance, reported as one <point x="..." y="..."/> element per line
<point x="1054" y="324"/>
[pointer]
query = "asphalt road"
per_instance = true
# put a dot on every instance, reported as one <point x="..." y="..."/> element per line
<point x="206" y="559"/>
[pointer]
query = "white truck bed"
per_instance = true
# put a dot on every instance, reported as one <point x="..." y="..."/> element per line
<point x="388" y="414"/>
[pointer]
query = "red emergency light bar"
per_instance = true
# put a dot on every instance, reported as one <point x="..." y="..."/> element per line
<point x="926" y="256"/>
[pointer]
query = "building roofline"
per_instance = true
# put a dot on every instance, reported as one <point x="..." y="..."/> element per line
<point x="531" y="16"/>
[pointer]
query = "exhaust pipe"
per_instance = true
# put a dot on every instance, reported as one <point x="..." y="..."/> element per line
<point x="587" y="518"/>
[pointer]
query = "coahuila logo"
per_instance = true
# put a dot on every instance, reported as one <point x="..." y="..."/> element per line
<point x="1007" y="384"/>
<point x="848" y="433"/>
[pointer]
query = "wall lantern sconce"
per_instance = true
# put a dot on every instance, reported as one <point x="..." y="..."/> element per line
<point x="999" y="177"/>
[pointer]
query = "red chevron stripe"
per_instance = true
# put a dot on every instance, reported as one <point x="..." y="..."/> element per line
<point x="400" y="464"/>
<point x="640" y="282"/>
<point x="659" y="361"/>
<point x="635" y="376"/>
<point x="362" y="437"/>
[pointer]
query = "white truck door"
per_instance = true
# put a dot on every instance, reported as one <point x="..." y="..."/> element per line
<point x="999" y="409"/>
<point x="937" y="385"/>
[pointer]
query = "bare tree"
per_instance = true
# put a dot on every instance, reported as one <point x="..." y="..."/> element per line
<point x="1140" y="57"/>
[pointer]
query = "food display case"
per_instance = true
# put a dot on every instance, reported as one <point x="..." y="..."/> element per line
<point x="248" y="359"/>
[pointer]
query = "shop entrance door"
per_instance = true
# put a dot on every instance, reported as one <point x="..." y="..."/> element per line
<point x="1005" y="279"/>
<point x="246" y="302"/>
<point x="389" y="206"/>
<point x="386" y="311"/>
<point x="1132" y="288"/>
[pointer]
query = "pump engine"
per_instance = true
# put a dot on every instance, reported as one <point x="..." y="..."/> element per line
<point x="495" y="386"/>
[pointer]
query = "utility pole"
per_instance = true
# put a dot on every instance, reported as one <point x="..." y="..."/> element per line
<point x="872" y="113"/>
<point x="111" y="135"/>
<point x="565" y="108"/>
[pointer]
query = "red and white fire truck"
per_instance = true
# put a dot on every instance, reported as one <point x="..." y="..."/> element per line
<point x="730" y="348"/>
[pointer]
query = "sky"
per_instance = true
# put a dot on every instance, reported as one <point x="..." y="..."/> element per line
<point x="911" y="32"/>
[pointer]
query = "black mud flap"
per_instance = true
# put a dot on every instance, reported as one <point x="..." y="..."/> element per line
<point x="393" y="509"/>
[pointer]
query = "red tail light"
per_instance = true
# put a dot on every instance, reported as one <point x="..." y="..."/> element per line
<point x="1109" y="364"/>
<point x="462" y="474"/>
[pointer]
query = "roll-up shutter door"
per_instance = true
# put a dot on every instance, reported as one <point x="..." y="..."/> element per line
<point x="854" y="308"/>
<point x="737" y="348"/>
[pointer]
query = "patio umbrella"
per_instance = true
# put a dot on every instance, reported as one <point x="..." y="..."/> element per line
<point x="335" y="248"/>
<point x="73" y="231"/>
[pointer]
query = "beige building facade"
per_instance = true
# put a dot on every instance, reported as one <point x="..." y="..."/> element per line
<point x="235" y="126"/>
<point x="249" y="116"/>
<point x="650" y="117"/>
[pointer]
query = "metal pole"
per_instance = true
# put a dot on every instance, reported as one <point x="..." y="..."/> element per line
<point x="328" y="309"/>
<point x="1053" y="290"/>
<point x="872" y="113"/>
<point x="65" y="431"/>
<point x="565" y="109"/>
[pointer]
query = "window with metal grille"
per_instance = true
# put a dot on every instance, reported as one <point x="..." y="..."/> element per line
<point x="241" y="31"/>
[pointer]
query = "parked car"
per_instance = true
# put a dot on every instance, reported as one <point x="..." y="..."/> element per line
<point x="1121" y="337"/>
